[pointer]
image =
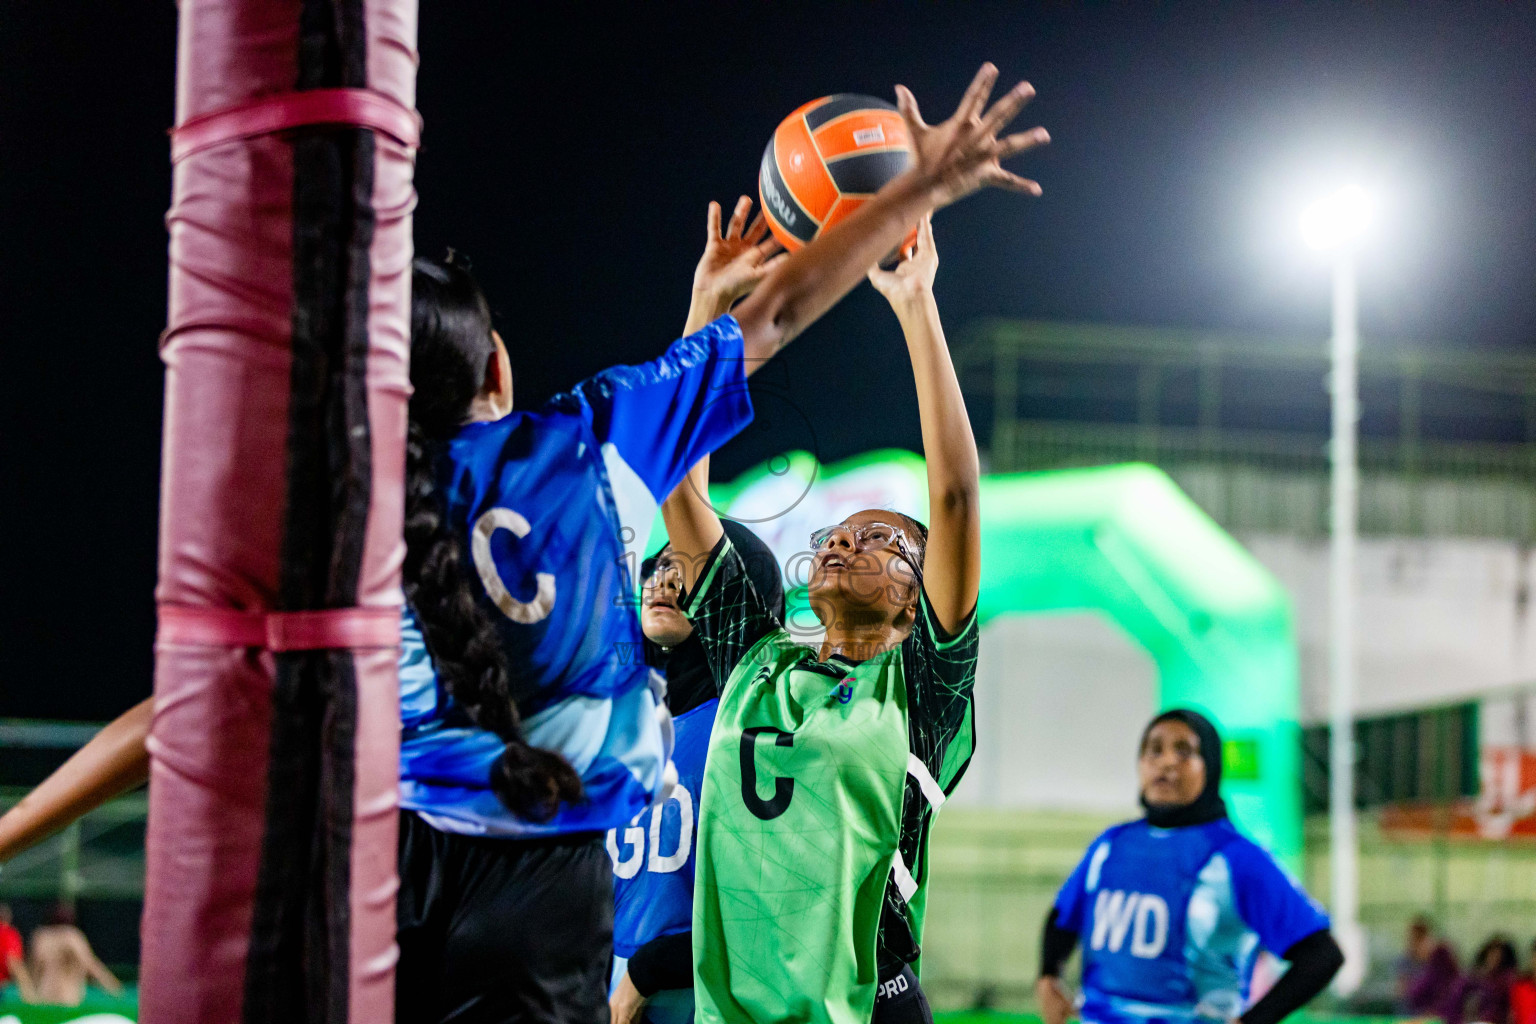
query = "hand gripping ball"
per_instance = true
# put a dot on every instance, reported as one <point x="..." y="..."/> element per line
<point x="825" y="160"/>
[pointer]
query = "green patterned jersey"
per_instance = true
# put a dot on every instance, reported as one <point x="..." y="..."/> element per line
<point x="819" y="793"/>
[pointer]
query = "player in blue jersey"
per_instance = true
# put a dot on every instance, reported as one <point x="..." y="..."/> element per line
<point x="580" y="475"/>
<point x="653" y="856"/>
<point x="1171" y="910"/>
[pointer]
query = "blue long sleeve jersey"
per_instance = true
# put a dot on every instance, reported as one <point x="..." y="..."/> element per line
<point x="554" y="507"/>
<point x="1170" y="921"/>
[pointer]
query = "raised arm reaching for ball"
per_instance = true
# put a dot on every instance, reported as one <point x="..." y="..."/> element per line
<point x="950" y="160"/>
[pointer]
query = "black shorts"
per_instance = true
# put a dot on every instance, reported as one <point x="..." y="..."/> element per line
<point x="502" y="930"/>
<point x="901" y="1001"/>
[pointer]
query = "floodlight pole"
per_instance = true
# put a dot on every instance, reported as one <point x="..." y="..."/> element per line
<point x="1344" y="514"/>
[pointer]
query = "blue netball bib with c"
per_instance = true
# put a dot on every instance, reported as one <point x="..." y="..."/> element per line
<point x="553" y="509"/>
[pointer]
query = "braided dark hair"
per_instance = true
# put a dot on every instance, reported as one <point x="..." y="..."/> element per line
<point x="450" y="344"/>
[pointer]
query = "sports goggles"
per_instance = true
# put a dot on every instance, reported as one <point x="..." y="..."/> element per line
<point x="665" y="571"/>
<point x="870" y="537"/>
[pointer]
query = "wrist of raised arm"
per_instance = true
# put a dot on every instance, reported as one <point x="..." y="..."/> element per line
<point x="712" y="301"/>
<point x="920" y="324"/>
<point x="914" y="308"/>
<point x="925" y="191"/>
<point x="703" y="311"/>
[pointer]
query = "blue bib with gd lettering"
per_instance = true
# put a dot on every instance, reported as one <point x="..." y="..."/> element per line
<point x="653" y="855"/>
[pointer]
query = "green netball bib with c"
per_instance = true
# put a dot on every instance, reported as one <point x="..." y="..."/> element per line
<point x="819" y="783"/>
<point x="800" y="814"/>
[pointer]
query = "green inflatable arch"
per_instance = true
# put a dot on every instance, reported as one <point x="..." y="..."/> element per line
<point x="1123" y="541"/>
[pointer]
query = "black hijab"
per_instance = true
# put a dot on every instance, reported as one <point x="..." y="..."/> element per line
<point x="689" y="680"/>
<point x="1206" y="807"/>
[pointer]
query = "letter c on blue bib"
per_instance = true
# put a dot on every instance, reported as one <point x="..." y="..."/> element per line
<point x="525" y="612"/>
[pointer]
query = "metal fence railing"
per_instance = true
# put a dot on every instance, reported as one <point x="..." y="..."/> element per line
<point x="99" y="857"/>
<point x="1447" y="445"/>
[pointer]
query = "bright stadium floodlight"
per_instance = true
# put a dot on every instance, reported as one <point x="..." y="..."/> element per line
<point x="1338" y="221"/>
<point x="1336" y="225"/>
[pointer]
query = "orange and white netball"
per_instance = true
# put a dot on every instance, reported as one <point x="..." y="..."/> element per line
<point x="825" y="160"/>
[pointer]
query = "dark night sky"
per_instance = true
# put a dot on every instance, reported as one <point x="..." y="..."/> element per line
<point x="570" y="149"/>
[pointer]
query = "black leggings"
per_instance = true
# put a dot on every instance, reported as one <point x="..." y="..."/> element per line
<point x="901" y="1001"/>
<point x="497" y="931"/>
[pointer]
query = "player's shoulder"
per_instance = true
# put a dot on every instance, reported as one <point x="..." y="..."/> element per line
<point x="931" y="655"/>
<point x="700" y="714"/>
<point x="780" y="645"/>
<point x="1103" y="843"/>
<point x="719" y="337"/>
<point x="475" y="434"/>
<point x="1125" y="829"/>
<point x="1230" y="841"/>
<point x="773" y="654"/>
<point x="753" y="551"/>
<point x="1097" y="853"/>
<point x="965" y="637"/>
<point x="521" y="440"/>
<point x="1247" y="861"/>
<point x="1243" y="854"/>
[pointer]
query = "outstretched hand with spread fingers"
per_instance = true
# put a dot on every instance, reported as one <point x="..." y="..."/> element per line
<point x="735" y="261"/>
<point x="964" y="154"/>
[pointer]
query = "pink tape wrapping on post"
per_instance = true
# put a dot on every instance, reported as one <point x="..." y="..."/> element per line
<point x="282" y="111"/>
<point x="184" y="625"/>
<point x="189" y="626"/>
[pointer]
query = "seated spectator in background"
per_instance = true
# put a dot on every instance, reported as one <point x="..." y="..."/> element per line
<point x="62" y="960"/>
<point x="1483" y="995"/>
<point x="13" y="968"/>
<point x="1427" y="972"/>
<point x="1522" y="994"/>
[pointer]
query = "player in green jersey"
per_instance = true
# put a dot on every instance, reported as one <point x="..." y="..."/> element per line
<point x="826" y="765"/>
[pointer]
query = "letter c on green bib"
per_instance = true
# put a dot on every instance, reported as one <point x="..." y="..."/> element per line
<point x="783" y="789"/>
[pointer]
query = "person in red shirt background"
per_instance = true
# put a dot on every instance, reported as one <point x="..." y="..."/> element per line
<point x="13" y="965"/>
<point x="1483" y="994"/>
<point x="1522" y="994"/>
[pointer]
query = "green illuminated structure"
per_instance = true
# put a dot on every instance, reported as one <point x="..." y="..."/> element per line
<point x="1122" y="541"/>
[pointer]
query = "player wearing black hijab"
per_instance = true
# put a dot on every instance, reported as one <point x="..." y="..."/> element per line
<point x="1171" y="909"/>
